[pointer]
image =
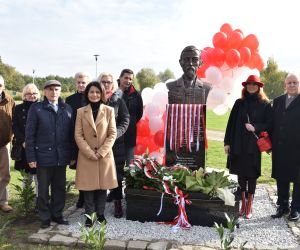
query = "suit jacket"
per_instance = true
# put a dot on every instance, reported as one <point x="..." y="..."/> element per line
<point x="99" y="136"/>
<point x="286" y="140"/>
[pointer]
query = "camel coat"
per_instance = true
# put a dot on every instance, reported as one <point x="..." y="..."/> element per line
<point x="91" y="136"/>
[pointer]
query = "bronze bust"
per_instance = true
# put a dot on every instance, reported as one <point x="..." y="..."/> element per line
<point x="188" y="89"/>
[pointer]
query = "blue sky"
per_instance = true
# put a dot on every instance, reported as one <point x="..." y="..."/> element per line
<point x="61" y="37"/>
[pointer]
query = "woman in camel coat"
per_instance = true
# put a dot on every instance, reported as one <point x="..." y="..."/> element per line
<point x="95" y="134"/>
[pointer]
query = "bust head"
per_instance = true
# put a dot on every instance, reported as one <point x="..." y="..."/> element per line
<point x="190" y="61"/>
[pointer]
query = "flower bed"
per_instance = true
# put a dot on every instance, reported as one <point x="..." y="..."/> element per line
<point x="158" y="193"/>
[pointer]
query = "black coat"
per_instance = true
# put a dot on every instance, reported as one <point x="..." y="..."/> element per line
<point x="18" y="126"/>
<point x="50" y="135"/>
<point x="76" y="101"/>
<point x="134" y="105"/>
<point x="286" y="140"/>
<point x="245" y="157"/>
<point x="122" y="121"/>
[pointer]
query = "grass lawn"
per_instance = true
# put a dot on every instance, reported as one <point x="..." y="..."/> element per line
<point x="216" y="122"/>
<point x="216" y="158"/>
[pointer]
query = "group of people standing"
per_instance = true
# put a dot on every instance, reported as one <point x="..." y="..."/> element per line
<point x="94" y="132"/>
<point x="251" y="115"/>
<point x="86" y="132"/>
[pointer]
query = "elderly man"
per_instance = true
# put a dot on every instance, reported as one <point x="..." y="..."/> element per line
<point x="7" y="106"/>
<point x="188" y="88"/>
<point x="49" y="143"/>
<point x="286" y="148"/>
<point x="77" y="101"/>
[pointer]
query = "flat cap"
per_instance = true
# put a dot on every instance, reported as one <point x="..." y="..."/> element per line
<point x="52" y="83"/>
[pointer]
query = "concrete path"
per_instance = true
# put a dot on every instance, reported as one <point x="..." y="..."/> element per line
<point x="215" y="135"/>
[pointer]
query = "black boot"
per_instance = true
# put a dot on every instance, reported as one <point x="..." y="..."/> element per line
<point x="118" y="209"/>
<point x="101" y="218"/>
<point x="80" y="201"/>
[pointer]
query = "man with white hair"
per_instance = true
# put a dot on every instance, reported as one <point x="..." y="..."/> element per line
<point x="76" y="101"/>
<point x="286" y="148"/>
<point x="7" y="106"/>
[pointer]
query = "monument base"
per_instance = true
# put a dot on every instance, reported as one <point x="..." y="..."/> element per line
<point x="143" y="205"/>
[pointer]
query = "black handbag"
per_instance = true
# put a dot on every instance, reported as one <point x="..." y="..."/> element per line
<point x="16" y="151"/>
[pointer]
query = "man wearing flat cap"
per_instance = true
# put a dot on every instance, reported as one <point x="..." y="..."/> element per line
<point x="49" y="148"/>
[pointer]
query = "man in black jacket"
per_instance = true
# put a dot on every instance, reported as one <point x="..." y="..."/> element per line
<point x="285" y="149"/>
<point x="77" y="101"/>
<point x="134" y="104"/>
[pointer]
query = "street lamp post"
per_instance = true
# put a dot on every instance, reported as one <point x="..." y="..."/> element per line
<point x="33" y="76"/>
<point x="96" y="58"/>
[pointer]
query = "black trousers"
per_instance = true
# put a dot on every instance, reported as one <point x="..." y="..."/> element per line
<point x="283" y="191"/>
<point x="117" y="193"/>
<point x="94" y="201"/>
<point x="247" y="184"/>
<point x="55" y="178"/>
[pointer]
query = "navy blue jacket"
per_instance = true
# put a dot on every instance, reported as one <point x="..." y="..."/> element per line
<point x="49" y="136"/>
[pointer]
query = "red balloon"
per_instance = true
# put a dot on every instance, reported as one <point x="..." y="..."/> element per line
<point x="226" y="28"/>
<point x="159" y="138"/>
<point x="255" y="61"/>
<point x="140" y="149"/>
<point x="251" y="42"/>
<point x="239" y="30"/>
<point x="206" y="55"/>
<point x="217" y="57"/>
<point x="235" y="40"/>
<point x="232" y="58"/>
<point x="201" y="70"/>
<point x="143" y="128"/>
<point x="245" y="55"/>
<point x="220" y="40"/>
<point x="151" y="145"/>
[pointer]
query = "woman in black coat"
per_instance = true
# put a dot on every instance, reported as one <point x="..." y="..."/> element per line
<point x="122" y="116"/>
<point x="30" y="95"/>
<point x="250" y="114"/>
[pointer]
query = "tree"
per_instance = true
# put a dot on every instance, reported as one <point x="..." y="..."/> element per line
<point x="166" y="75"/>
<point x="273" y="79"/>
<point x="146" y="78"/>
<point x="13" y="79"/>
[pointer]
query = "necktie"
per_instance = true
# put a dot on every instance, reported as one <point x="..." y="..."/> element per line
<point x="288" y="101"/>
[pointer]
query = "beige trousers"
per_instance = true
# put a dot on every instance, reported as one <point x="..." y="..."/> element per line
<point x="4" y="174"/>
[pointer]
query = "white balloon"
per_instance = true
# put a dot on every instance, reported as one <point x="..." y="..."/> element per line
<point x="147" y="94"/>
<point x="151" y="109"/>
<point x="216" y="96"/>
<point x="220" y="109"/>
<point x="213" y="75"/>
<point x="227" y="85"/>
<point x="156" y="123"/>
<point x="161" y="99"/>
<point x="160" y="87"/>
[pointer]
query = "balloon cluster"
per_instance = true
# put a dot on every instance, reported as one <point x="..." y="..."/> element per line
<point x="232" y="59"/>
<point x="150" y="129"/>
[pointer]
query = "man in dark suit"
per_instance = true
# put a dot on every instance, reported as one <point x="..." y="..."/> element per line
<point x="76" y="101"/>
<point x="286" y="148"/>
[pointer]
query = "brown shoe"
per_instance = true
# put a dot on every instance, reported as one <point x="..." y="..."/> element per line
<point x="6" y="208"/>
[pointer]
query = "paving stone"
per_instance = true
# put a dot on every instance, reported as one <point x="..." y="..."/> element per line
<point x="296" y="231"/>
<point x="137" y="245"/>
<point x="46" y="230"/>
<point x="58" y="240"/>
<point x="160" y="245"/>
<point x="39" y="238"/>
<point x="115" y="245"/>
